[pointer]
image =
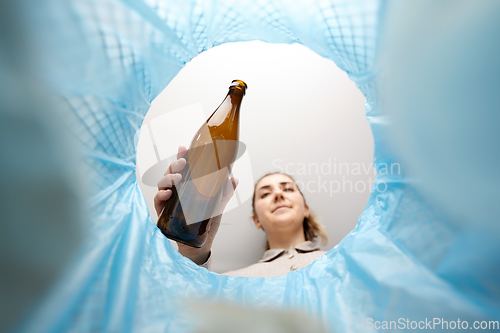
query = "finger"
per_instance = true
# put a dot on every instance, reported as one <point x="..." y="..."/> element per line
<point x="233" y="183"/>
<point x="160" y="199"/>
<point x="230" y="188"/>
<point x="169" y="180"/>
<point x="181" y="152"/>
<point x="180" y="163"/>
<point x="176" y="166"/>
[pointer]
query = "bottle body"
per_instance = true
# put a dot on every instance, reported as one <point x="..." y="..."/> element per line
<point x="194" y="204"/>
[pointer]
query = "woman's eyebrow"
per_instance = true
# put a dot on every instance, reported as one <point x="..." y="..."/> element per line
<point x="269" y="186"/>
<point x="264" y="187"/>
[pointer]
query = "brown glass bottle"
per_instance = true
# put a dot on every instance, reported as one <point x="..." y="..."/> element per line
<point x="190" y="211"/>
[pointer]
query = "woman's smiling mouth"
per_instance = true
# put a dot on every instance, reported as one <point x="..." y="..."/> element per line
<point x="280" y="207"/>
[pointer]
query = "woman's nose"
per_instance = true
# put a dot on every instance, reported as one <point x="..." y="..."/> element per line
<point x="278" y="194"/>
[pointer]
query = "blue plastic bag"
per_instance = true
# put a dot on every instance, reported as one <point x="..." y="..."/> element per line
<point x="407" y="261"/>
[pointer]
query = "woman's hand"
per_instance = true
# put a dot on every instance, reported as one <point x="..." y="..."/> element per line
<point x="173" y="177"/>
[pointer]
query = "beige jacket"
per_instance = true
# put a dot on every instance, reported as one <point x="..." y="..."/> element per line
<point x="276" y="262"/>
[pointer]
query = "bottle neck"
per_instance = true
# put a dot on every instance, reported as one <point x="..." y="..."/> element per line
<point x="236" y="92"/>
<point x="228" y="110"/>
<point x="235" y="99"/>
<point x="239" y="86"/>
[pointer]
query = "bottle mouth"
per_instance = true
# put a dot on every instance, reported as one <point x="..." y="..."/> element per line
<point x="239" y="84"/>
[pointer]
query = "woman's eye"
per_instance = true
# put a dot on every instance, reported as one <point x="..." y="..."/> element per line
<point x="264" y="195"/>
<point x="289" y="189"/>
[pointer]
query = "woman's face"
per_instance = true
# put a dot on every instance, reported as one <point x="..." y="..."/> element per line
<point x="279" y="204"/>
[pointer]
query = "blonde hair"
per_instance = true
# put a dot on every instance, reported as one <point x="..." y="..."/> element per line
<point x="312" y="226"/>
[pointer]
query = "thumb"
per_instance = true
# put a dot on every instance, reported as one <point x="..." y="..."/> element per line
<point x="230" y="187"/>
<point x="228" y="192"/>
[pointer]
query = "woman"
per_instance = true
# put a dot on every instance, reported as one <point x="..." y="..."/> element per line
<point x="279" y="208"/>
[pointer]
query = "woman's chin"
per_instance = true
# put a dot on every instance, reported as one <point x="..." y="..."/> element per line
<point x="283" y="219"/>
